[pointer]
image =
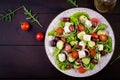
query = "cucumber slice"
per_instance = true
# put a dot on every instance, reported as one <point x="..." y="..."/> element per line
<point x="76" y="66"/>
<point x="86" y="60"/>
<point x="76" y="63"/>
<point x="91" y="43"/>
<point x="97" y="56"/>
<point x="61" y="57"/>
<point x="101" y="32"/>
<point x="60" y="44"/>
<point x="80" y="35"/>
<point x="70" y="59"/>
<point x="83" y="19"/>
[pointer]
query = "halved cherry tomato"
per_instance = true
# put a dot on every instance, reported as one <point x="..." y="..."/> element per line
<point x="39" y="36"/>
<point x="92" y="52"/>
<point x="81" y="69"/>
<point x="68" y="48"/>
<point x="94" y="35"/>
<point x="75" y="54"/>
<point x="25" y="26"/>
<point x="94" y="22"/>
<point x="81" y="28"/>
<point x="103" y="37"/>
<point x="59" y="31"/>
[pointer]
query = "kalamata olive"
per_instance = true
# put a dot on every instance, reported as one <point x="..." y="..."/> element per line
<point x="95" y="39"/>
<point x="66" y="19"/>
<point x="63" y="39"/>
<point x="69" y="66"/>
<point x="95" y="61"/>
<point x="78" y="47"/>
<point x="53" y="43"/>
<point x="57" y="38"/>
<point x="72" y="28"/>
<point x="78" y="60"/>
<point x="103" y="53"/>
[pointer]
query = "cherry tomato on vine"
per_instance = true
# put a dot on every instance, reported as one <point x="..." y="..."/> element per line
<point x="39" y="36"/>
<point x="25" y="26"/>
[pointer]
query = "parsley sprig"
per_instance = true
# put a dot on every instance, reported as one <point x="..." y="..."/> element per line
<point x="73" y="2"/>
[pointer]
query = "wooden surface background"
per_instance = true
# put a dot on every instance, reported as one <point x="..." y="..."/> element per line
<point x="22" y="56"/>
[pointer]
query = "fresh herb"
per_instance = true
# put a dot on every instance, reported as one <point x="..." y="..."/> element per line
<point x="73" y="2"/>
<point x="115" y="60"/>
<point x="31" y="16"/>
<point x="101" y="27"/>
<point x="9" y="14"/>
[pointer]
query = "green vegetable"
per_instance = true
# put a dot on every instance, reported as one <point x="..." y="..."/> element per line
<point x="76" y="66"/>
<point x="72" y="37"/>
<point x="72" y="43"/>
<point x="80" y="35"/>
<point x="73" y="2"/>
<point x="86" y="60"/>
<point x="89" y="30"/>
<point x="56" y="51"/>
<point x="83" y="19"/>
<point x="61" y="24"/>
<point x="70" y="59"/>
<point x="60" y="44"/>
<point x="53" y="33"/>
<point x="8" y="15"/>
<point x="97" y="56"/>
<point x="101" y="32"/>
<point x="75" y="17"/>
<point x="91" y="66"/>
<point x="101" y="27"/>
<point x="91" y="43"/>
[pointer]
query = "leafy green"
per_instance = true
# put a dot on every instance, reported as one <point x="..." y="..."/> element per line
<point x="74" y="18"/>
<point x="72" y="37"/>
<point x="91" y="66"/>
<point x="56" y="51"/>
<point x="53" y="33"/>
<point x="61" y="24"/>
<point x="107" y="45"/>
<point x="89" y="30"/>
<point x="73" y="2"/>
<point x="101" y="27"/>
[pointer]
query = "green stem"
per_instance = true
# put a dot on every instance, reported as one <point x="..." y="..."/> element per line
<point x="18" y="8"/>
<point x="115" y="60"/>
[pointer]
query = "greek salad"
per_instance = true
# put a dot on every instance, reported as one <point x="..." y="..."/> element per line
<point x="79" y="42"/>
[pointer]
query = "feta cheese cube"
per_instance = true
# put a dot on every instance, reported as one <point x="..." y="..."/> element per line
<point x="66" y="29"/>
<point x="81" y="43"/>
<point x="82" y="54"/>
<point x="87" y="37"/>
<point x="88" y="23"/>
<point x="61" y="57"/>
<point x="100" y="47"/>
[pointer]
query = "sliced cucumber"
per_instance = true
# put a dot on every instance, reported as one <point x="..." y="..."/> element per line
<point x="77" y="63"/>
<point x="72" y="43"/>
<point x="60" y="44"/>
<point x="97" y="56"/>
<point x="80" y="35"/>
<point x="91" y="43"/>
<point x="101" y="32"/>
<point x="86" y="60"/>
<point x="83" y="19"/>
<point x="61" y="57"/>
<point x="70" y="59"/>
<point x="76" y="66"/>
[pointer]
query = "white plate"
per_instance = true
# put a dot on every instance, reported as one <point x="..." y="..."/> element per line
<point x="49" y="50"/>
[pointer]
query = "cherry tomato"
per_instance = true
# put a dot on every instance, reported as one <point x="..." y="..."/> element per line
<point x="81" y="69"/>
<point x="94" y="22"/>
<point x="75" y="54"/>
<point x="94" y="35"/>
<point x="92" y="52"/>
<point x="103" y="37"/>
<point x="81" y="28"/>
<point x="25" y="26"/>
<point x="59" y="31"/>
<point x="68" y="48"/>
<point x="39" y="36"/>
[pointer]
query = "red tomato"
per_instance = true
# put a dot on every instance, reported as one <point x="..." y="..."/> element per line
<point x="94" y="35"/>
<point x="81" y="28"/>
<point x="92" y="52"/>
<point x="59" y="31"/>
<point x="103" y="37"/>
<point x="25" y="26"/>
<point x="81" y="69"/>
<point x="39" y="36"/>
<point x="68" y="48"/>
<point x="75" y="54"/>
<point x="94" y="22"/>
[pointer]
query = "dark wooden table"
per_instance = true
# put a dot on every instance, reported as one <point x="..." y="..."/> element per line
<point x="22" y="56"/>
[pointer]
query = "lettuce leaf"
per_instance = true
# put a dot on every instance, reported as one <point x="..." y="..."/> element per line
<point x="74" y="18"/>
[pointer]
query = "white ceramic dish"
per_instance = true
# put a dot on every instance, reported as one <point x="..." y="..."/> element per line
<point x="49" y="50"/>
